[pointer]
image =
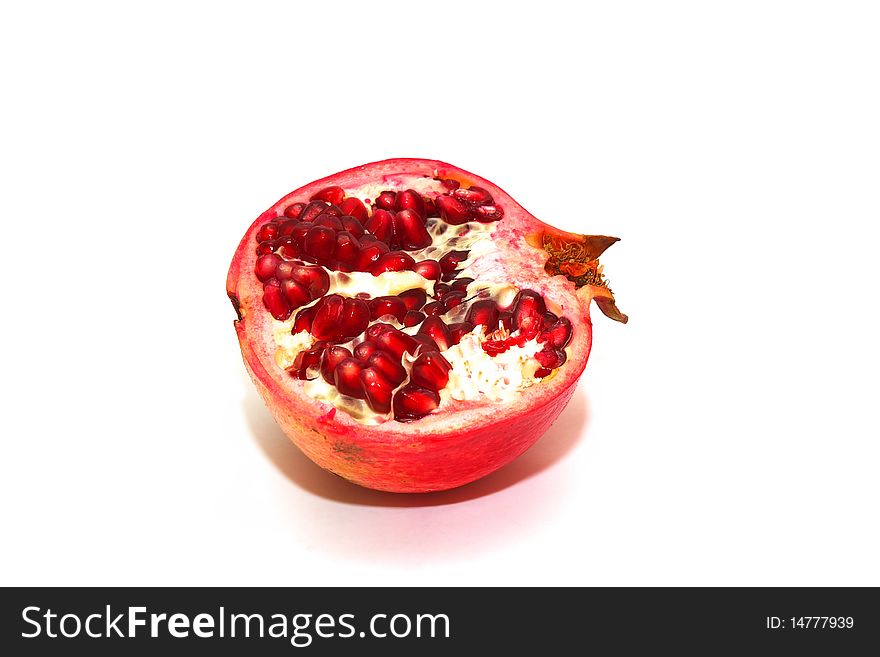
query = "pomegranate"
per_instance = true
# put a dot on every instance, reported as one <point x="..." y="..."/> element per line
<point x="410" y="326"/>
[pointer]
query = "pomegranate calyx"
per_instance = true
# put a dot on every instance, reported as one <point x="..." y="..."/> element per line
<point x="577" y="258"/>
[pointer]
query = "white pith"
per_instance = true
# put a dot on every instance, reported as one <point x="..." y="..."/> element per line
<point x="474" y="374"/>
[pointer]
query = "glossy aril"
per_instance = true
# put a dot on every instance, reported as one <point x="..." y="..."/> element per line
<point x="332" y="356"/>
<point x="388" y="305"/>
<point x="431" y="370"/>
<point x="377" y="390"/>
<point x="386" y="200"/>
<point x="484" y="312"/>
<point x="266" y="266"/>
<point x="353" y="207"/>
<point x="347" y="378"/>
<point x="413" y="299"/>
<point x="438" y="331"/>
<point x="429" y="269"/>
<point x="452" y="210"/>
<point x="413" y="402"/>
<point x="381" y="224"/>
<point x="392" y="261"/>
<point x="409" y="199"/>
<point x="332" y="195"/>
<point x="410" y="230"/>
<point x="275" y="301"/>
<point x="388" y="366"/>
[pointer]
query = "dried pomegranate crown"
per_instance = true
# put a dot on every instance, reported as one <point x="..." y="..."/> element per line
<point x="410" y="290"/>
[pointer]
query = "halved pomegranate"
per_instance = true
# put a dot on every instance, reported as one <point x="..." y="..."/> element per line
<point x="410" y="326"/>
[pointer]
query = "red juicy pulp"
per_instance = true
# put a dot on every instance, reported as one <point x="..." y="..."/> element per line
<point x="376" y="238"/>
<point x="455" y="443"/>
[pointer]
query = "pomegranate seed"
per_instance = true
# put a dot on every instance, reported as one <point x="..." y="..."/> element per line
<point x="352" y="225"/>
<point x="413" y="402"/>
<point x="542" y="372"/>
<point x="381" y="224"/>
<point x="309" y="358"/>
<point x="365" y="349"/>
<point x="549" y="318"/>
<point x="314" y="279"/>
<point x="377" y="329"/>
<point x="431" y="370"/>
<point x="298" y="234"/>
<point x="370" y="253"/>
<point x="551" y="358"/>
<point x="332" y="357"/>
<point x="452" y="259"/>
<point x="286" y="228"/>
<point x="354" y="318"/>
<point x="458" y="330"/>
<point x="461" y="284"/>
<point x="312" y="210"/>
<point x="284" y="270"/>
<point x="426" y="342"/>
<point x="381" y="306"/>
<point x="348" y="378"/>
<point x="530" y="326"/>
<point x="268" y="231"/>
<point x="377" y="390"/>
<point x="295" y="294"/>
<point x="440" y="289"/>
<point x="452" y="210"/>
<point x="348" y="249"/>
<point x="265" y="266"/>
<point x="320" y="242"/>
<point x="483" y="312"/>
<point x="474" y="195"/>
<point x="436" y="329"/>
<point x="396" y="342"/>
<point x="488" y="213"/>
<point x="386" y="200"/>
<point x="354" y="207"/>
<point x="303" y="321"/>
<point x="266" y="248"/>
<point x="330" y="194"/>
<point x="414" y="299"/>
<point x="294" y="210"/>
<point x="453" y="299"/>
<point x="413" y="318"/>
<point x="431" y="208"/>
<point x="388" y="367"/>
<point x="329" y="221"/>
<point x="393" y="261"/>
<point x="557" y="334"/>
<point x="527" y="303"/>
<point x="411" y="200"/>
<point x="326" y="323"/>
<point x="449" y="183"/>
<point x="505" y="320"/>
<point x="429" y="269"/>
<point x="333" y="211"/>
<point x="409" y="228"/>
<point x="288" y="246"/>
<point x="275" y="301"/>
<point x="434" y="308"/>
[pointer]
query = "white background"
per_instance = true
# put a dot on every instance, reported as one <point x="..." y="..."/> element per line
<point x="727" y="435"/>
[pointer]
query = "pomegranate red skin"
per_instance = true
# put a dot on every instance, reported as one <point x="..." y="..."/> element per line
<point x="447" y="448"/>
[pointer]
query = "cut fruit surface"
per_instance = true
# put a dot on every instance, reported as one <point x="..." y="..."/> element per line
<point x="410" y="326"/>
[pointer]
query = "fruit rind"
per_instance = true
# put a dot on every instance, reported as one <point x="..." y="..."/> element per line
<point x="451" y="446"/>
